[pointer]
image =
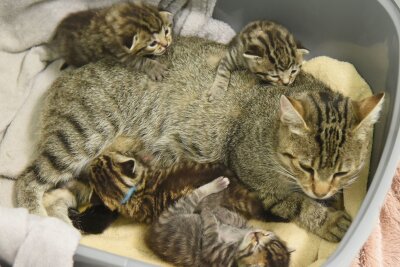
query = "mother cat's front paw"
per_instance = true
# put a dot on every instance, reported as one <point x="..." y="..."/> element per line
<point x="335" y="226"/>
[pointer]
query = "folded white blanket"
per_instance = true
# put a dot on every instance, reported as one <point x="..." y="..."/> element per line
<point x="30" y="240"/>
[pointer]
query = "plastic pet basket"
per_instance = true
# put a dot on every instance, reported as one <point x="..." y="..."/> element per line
<point x="363" y="32"/>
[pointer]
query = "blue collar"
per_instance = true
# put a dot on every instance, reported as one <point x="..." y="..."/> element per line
<point x="128" y="195"/>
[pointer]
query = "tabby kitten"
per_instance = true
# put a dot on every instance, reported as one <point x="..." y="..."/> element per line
<point x="266" y="49"/>
<point x="127" y="31"/>
<point x="191" y="234"/>
<point x="292" y="145"/>
<point x="127" y="185"/>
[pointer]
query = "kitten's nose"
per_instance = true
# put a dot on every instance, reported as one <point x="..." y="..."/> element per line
<point x="164" y="44"/>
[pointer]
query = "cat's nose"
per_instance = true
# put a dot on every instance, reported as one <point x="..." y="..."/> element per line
<point x="164" y="44"/>
<point x="320" y="190"/>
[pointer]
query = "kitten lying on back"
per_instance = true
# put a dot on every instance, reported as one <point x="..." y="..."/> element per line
<point x="266" y="49"/>
<point x="198" y="232"/>
<point x="127" y="31"/>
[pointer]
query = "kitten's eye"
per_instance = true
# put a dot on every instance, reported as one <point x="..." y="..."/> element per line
<point x="307" y="168"/>
<point x="275" y="76"/>
<point x="293" y="71"/>
<point x="166" y="31"/>
<point x="153" y="44"/>
<point x="340" y="174"/>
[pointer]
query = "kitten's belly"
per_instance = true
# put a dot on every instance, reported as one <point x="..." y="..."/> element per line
<point x="231" y="234"/>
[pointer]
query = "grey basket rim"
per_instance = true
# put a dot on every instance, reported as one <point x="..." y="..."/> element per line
<point x="367" y="216"/>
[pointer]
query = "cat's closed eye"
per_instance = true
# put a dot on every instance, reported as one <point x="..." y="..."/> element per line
<point x="306" y="168"/>
<point x="340" y="174"/>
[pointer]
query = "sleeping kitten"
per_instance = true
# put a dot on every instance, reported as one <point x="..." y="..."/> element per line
<point x="197" y="232"/>
<point x="266" y="49"/>
<point x="127" y="185"/>
<point x="127" y="31"/>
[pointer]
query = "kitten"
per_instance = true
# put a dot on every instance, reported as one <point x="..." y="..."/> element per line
<point x="292" y="145"/>
<point x="266" y="49"/>
<point x="198" y="232"/>
<point x="128" y="186"/>
<point x="127" y="31"/>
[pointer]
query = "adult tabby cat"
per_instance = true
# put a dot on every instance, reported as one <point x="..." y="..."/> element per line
<point x="198" y="232"/>
<point x="127" y="31"/>
<point x="266" y="49"/>
<point x="292" y="145"/>
<point x="127" y="185"/>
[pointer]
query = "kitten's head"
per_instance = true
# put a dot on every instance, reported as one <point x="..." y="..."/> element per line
<point x="143" y="29"/>
<point x="271" y="52"/>
<point x="117" y="173"/>
<point x="324" y="140"/>
<point x="262" y="248"/>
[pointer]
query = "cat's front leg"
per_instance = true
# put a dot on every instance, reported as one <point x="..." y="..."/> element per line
<point x="154" y="69"/>
<point x="326" y="222"/>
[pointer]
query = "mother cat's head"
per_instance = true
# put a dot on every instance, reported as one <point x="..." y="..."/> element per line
<point x="324" y="140"/>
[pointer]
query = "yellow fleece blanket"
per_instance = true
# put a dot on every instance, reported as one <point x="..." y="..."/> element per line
<point x="126" y="238"/>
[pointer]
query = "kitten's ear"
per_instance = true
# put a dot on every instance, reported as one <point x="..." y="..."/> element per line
<point x="301" y="49"/>
<point x="166" y="16"/>
<point x="292" y="114"/>
<point x="126" y="164"/>
<point x="131" y="43"/>
<point x="367" y="111"/>
<point x="253" y="52"/>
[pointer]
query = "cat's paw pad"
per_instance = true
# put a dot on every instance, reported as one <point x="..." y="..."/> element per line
<point x="336" y="225"/>
<point x="157" y="72"/>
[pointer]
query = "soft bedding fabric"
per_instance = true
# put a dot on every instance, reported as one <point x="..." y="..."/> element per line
<point x="24" y="77"/>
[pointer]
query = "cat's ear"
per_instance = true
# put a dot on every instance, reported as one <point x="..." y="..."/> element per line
<point x="253" y="52"/>
<point x="131" y="42"/>
<point x="301" y="49"/>
<point x="292" y="114"/>
<point x="367" y="111"/>
<point x="166" y="16"/>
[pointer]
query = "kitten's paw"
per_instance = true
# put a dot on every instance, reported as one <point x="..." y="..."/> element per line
<point x="220" y="184"/>
<point x="157" y="72"/>
<point x="216" y="185"/>
<point x="215" y="92"/>
<point x="336" y="225"/>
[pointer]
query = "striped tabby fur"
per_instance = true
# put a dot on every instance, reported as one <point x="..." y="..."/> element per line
<point x="195" y="231"/>
<point x="269" y="138"/>
<point x="266" y="49"/>
<point x="113" y="174"/>
<point x="126" y="31"/>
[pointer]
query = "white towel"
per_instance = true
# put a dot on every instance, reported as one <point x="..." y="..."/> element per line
<point x="30" y="240"/>
<point x="24" y="77"/>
